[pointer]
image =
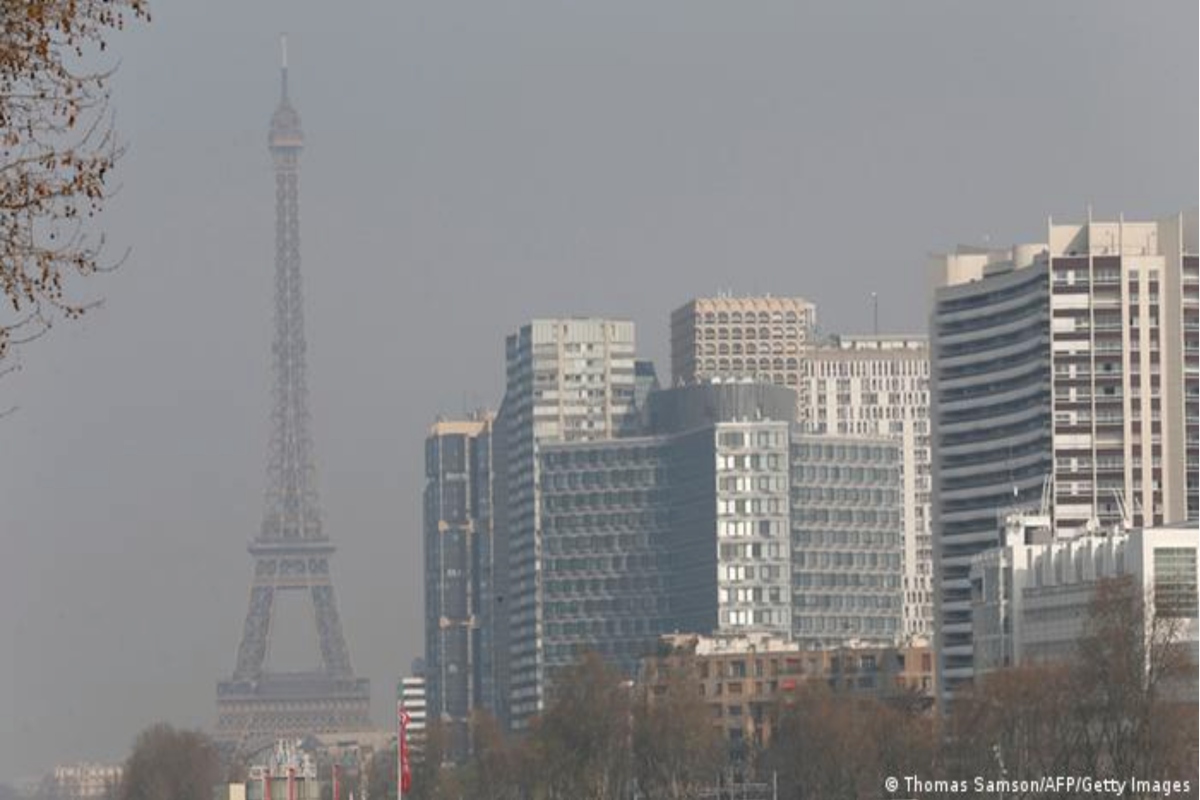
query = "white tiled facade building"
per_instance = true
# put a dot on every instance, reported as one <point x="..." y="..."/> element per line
<point x="412" y="700"/>
<point x="878" y="386"/>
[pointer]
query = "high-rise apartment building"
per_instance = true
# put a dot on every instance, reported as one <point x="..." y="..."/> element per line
<point x="868" y="386"/>
<point x="1067" y="367"/>
<point x="667" y="531"/>
<point x="729" y="563"/>
<point x="760" y="338"/>
<point x="878" y="386"/>
<point x="459" y="570"/>
<point x="723" y="518"/>
<point x="568" y="380"/>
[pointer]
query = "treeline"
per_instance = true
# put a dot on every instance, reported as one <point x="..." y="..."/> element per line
<point x="1124" y="706"/>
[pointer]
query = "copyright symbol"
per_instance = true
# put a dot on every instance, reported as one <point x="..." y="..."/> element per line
<point x="891" y="784"/>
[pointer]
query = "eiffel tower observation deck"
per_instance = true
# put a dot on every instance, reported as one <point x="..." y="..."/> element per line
<point x="291" y="552"/>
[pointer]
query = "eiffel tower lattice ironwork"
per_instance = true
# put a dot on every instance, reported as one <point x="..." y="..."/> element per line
<point x="291" y="552"/>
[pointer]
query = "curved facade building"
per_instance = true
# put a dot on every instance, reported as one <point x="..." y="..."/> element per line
<point x="1063" y="380"/>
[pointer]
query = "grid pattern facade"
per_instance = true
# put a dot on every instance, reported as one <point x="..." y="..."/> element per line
<point x="568" y="380"/>
<point x="759" y="338"/>
<point x="604" y="522"/>
<point x="878" y="386"/>
<point x="846" y="540"/>
<point x="753" y="559"/>
<point x="458" y="575"/>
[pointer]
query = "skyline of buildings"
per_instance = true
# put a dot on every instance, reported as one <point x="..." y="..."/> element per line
<point x="604" y="471"/>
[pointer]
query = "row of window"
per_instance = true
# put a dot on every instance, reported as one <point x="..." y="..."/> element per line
<point x="857" y="475"/>
<point x="741" y="528"/>
<point x="842" y="560"/>
<point x="753" y="462"/>
<point x="725" y="317"/>
<point x="803" y="581"/>
<point x="846" y="602"/>
<point x="754" y="506"/>
<point x="736" y="348"/>
<point x="750" y="594"/>
<point x="740" y="618"/>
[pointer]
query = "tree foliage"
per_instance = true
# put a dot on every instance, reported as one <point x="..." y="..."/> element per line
<point x="57" y="151"/>
<point x="838" y="745"/>
<point x="677" y="749"/>
<point x="170" y="764"/>
<point x="582" y="743"/>
<point x="1124" y="705"/>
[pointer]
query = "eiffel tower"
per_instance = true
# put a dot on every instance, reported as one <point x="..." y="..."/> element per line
<point x="291" y="552"/>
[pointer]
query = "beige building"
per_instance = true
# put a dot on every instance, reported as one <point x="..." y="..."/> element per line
<point x="743" y="678"/>
<point x="878" y="386"/>
<point x="740" y="337"/>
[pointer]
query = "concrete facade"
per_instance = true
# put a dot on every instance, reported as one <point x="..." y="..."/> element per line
<point x="756" y="338"/>
<point x="1031" y="601"/>
<point x="878" y="386"/>
<point x="872" y="386"/>
<point x="1067" y="365"/>
<point x="699" y="526"/>
<point x="568" y="380"/>
<point x="604" y="534"/>
<point x="847" y="541"/>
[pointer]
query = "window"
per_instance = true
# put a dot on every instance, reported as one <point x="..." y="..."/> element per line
<point x="1175" y="581"/>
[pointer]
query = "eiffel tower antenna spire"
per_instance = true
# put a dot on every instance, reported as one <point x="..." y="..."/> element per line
<point x="283" y="66"/>
<point x="291" y="551"/>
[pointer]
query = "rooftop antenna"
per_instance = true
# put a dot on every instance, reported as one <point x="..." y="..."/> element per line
<point x="875" y="312"/>
<point x="283" y="62"/>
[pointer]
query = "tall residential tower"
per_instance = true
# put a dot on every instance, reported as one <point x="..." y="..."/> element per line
<point x="568" y="380"/>
<point x="1064" y="377"/>
<point x="459" y="575"/>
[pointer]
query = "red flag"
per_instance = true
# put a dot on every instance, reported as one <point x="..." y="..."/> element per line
<point x="402" y="719"/>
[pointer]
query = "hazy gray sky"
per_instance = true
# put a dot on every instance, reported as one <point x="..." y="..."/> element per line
<point x="470" y="165"/>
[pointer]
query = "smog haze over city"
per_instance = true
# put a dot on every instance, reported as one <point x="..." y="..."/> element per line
<point x="468" y="167"/>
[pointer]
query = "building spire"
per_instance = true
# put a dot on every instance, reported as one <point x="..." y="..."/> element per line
<point x="283" y="67"/>
<point x="285" y="136"/>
